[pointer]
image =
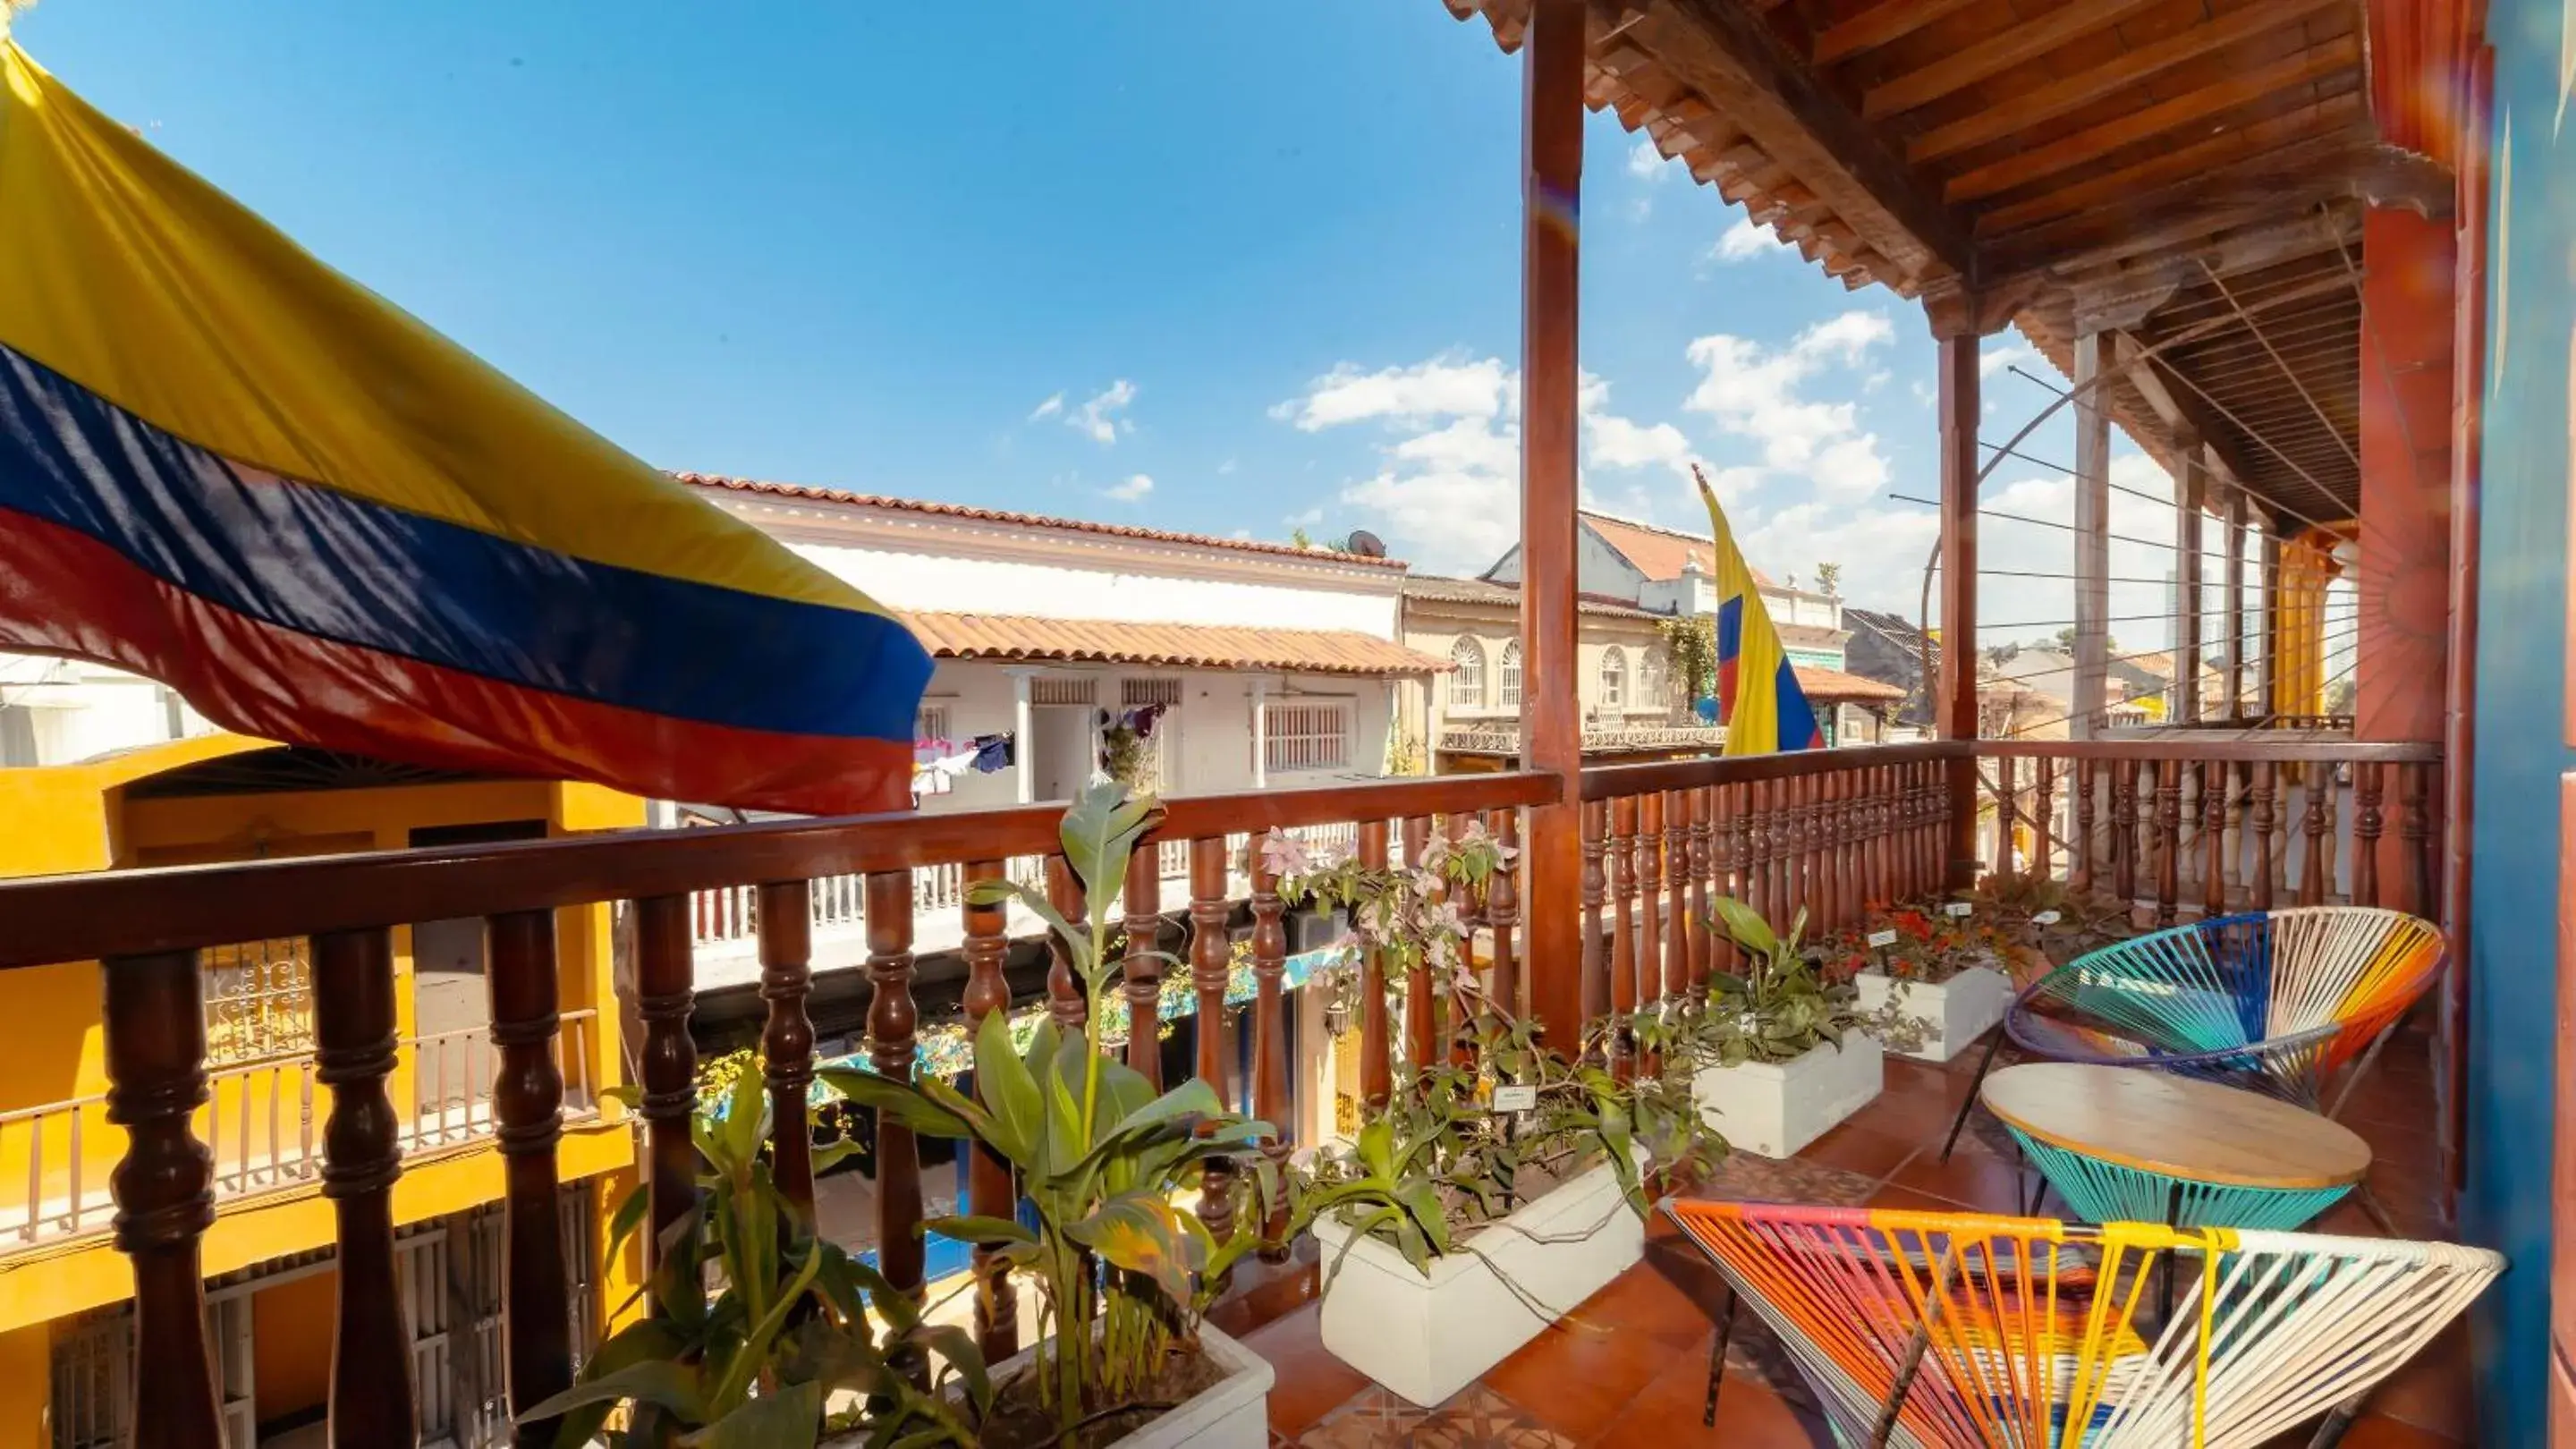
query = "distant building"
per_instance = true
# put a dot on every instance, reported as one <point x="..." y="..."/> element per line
<point x="1667" y="572"/>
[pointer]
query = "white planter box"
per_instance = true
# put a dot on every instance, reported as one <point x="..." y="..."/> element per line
<point x="1425" y="1338"/>
<point x="1776" y="1108"/>
<point x="1955" y="1013"/>
<point x="1234" y="1413"/>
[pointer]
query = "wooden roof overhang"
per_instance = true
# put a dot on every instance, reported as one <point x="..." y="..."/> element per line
<point x="2188" y="175"/>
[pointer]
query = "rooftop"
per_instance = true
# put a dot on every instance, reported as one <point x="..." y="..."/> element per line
<point x="1023" y="638"/>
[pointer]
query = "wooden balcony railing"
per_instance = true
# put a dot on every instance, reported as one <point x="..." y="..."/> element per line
<point x="1830" y="831"/>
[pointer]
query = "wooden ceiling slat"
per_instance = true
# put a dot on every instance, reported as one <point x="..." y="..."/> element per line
<point x="2051" y="101"/>
<point x="2342" y="53"/>
<point x="2239" y="180"/>
<point x="2168" y="166"/>
<point x="1889" y="20"/>
<point x="2018" y="45"/>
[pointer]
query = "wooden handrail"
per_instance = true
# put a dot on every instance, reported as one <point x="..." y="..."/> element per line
<point x="2279" y="752"/>
<point x="1609" y="782"/>
<point x="50" y="919"/>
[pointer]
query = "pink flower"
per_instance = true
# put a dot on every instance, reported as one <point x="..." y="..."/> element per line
<point x="1285" y="855"/>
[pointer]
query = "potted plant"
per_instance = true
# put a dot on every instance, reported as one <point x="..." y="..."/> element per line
<point x="2050" y="921"/>
<point x="1780" y="1053"/>
<point x="1489" y="1197"/>
<point x="1123" y="1276"/>
<point x="788" y="1334"/>
<point x="1941" y="971"/>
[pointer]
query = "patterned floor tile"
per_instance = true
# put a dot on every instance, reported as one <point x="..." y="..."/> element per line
<point x="1745" y="1176"/>
<point x="1483" y="1419"/>
<point x="1372" y="1421"/>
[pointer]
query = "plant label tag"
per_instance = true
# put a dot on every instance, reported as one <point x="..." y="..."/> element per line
<point x="1961" y="908"/>
<point x="2046" y="918"/>
<point x="1516" y="1099"/>
<point x="1879" y="940"/>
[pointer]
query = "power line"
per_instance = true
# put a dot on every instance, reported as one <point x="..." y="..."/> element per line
<point x="2063" y="527"/>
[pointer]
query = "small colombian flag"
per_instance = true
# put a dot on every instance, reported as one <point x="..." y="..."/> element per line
<point x="1757" y="691"/>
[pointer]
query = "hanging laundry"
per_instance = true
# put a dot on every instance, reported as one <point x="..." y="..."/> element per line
<point x="994" y="753"/>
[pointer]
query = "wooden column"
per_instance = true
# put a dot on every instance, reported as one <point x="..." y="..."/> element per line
<point x="2092" y="537"/>
<point x="353" y="1037"/>
<point x="2191" y="498"/>
<point x="154" y="1026"/>
<point x="1142" y="975"/>
<point x="1270" y="1034"/>
<point x="1377" y="1073"/>
<point x="527" y="1107"/>
<point x="787" y="1037"/>
<point x="1955" y="363"/>
<point x="2267" y="628"/>
<point x="989" y="1190"/>
<point x="892" y="1044"/>
<point x="1551" y="711"/>
<point x="2236" y="622"/>
<point x="1211" y="957"/>
<point x="668" y="1062"/>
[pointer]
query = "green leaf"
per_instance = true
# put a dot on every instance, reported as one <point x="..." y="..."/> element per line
<point x="629" y="1216"/>
<point x="1746" y="925"/>
<point x="901" y="1101"/>
<point x="1003" y="892"/>
<point x="1141" y="1233"/>
<point x="673" y="1386"/>
<point x="971" y="1229"/>
<point x="746" y="1122"/>
<point x="1017" y="1123"/>
<point x="1099" y="832"/>
<point x="957" y="1346"/>
<point x="787" y="1419"/>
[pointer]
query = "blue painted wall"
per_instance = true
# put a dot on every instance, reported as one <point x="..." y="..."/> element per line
<point x="2522" y="608"/>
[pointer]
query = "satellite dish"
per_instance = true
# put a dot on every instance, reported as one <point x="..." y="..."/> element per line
<point x="1365" y="544"/>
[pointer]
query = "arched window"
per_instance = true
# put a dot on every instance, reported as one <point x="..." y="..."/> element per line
<point x="1614" y="678"/>
<point x="1650" y="681"/>
<point x="1511" y="674"/>
<point x="1467" y="680"/>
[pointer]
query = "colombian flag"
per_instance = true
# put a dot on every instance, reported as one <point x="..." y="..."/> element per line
<point x="226" y="466"/>
<point x="1766" y="712"/>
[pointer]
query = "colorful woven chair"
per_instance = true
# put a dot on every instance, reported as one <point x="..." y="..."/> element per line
<point x="2276" y="1001"/>
<point x="1972" y="1332"/>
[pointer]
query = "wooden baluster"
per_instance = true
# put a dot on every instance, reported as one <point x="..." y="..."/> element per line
<point x="2079" y="871"/>
<point x="1068" y="1001"/>
<point x="787" y="1038"/>
<point x="1769" y="894"/>
<point x="1623" y="927"/>
<point x="1905" y="823"/>
<point x="1596" y="945"/>
<point x="664" y="970"/>
<point x="1142" y="976"/>
<point x="2044" y="807"/>
<point x="1421" y="1032"/>
<point x="2006" y="813"/>
<point x="2368" y="823"/>
<point x="1503" y="909"/>
<point x="155" y="1028"/>
<point x="2415" y="828"/>
<point x="2213" y="838"/>
<point x="353" y="1054"/>
<point x="527" y="1110"/>
<point x="1826" y="857"/>
<point x="1650" y="898"/>
<point x="2124" y="830"/>
<point x="1270" y="1035"/>
<point x="2168" y="839"/>
<point x="1377" y="1074"/>
<point x="2260" y="897"/>
<point x="892" y="1021"/>
<point x="1211" y="961"/>
<point x="1887" y="800"/>
<point x="1793" y="844"/>
<point x="1685" y="953"/>
<point x="1932" y="816"/>
<point x="989" y="1190"/>
<point x="2317" y="782"/>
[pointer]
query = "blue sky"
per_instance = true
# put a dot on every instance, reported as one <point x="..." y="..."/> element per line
<point x="1161" y="261"/>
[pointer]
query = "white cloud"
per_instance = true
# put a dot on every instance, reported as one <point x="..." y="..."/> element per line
<point x="1743" y="242"/>
<point x="1226" y="468"/>
<point x="1134" y="489"/>
<point x="1448" y="386"/>
<point x="1617" y="442"/>
<point x="1307" y="519"/>
<point x="1098" y="419"/>
<point x="1758" y="393"/>
<point x="2004" y="354"/>
<point x="1646" y="163"/>
<point x="1047" y="409"/>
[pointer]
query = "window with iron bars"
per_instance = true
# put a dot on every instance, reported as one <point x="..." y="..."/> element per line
<point x="258" y="1001"/>
<point x="1306" y="734"/>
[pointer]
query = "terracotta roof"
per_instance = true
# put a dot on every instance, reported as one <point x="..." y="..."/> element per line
<point x="1186" y="646"/>
<point x="1487" y="591"/>
<point x="1659" y="553"/>
<point x="1027" y="520"/>
<point x="1834" y="684"/>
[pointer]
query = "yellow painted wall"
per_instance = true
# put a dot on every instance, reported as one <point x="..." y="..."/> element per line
<point x="290" y="1331"/>
<point x="26" y="1387"/>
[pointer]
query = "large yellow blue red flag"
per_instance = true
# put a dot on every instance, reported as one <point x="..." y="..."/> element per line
<point x="224" y="465"/>
<point x="1765" y="710"/>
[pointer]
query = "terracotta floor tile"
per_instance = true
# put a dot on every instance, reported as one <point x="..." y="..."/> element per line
<point x="1861" y="1151"/>
<point x="1479" y="1418"/>
<point x="1911" y="1201"/>
<point x="1970" y="1179"/>
<point x="1749" y="1416"/>
<point x="1746" y="1177"/>
<point x="1672" y="1298"/>
<point x="2433" y="1390"/>
<point x="1576" y="1379"/>
<point x="1374" y="1420"/>
<point x="2378" y="1431"/>
<point x="1311" y="1382"/>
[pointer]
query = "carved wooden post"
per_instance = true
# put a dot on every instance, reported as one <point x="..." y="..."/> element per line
<point x="2317" y="785"/>
<point x="155" y="1029"/>
<point x="668" y="1062"/>
<point x="892" y="1021"/>
<point x="2168" y="839"/>
<point x="1650" y="898"/>
<point x="1068" y="1000"/>
<point x="1623" y="926"/>
<point x="527" y="1107"/>
<point x="2080" y="873"/>
<point x="787" y="1037"/>
<point x="2263" y="824"/>
<point x="989" y="1190"/>
<point x="1683" y="948"/>
<point x="2213" y="838"/>
<point x="1377" y="1073"/>
<point x="1421" y="1038"/>
<point x="2367" y="824"/>
<point x="1270" y="1033"/>
<point x="2415" y="828"/>
<point x="1503" y="910"/>
<point x="2124" y="831"/>
<point x="353" y="1035"/>
<point x="1143" y="974"/>
<point x="2041" y="838"/>
<point x="1211" y="960"/>
<point x="2005" y="814"/>
<point x="1596" y="967"/>
<point x="1743" y="814"/>
<point x="1757" y="848"/>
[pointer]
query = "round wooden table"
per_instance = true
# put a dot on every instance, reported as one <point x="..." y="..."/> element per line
<point x="2127" y="1144"/>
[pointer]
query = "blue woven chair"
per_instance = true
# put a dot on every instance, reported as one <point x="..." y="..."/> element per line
<point x="2274" y="1001"/>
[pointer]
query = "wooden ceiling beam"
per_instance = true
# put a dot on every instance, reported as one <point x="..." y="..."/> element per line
<point x="2340" y="54"/>
<point x="2244" y="179"/>
<point x="1741" y="66"/>
<point x="2258" y="204"/>
<point x="2112" y="76"/>
<point x="1889" y="20"/>
<point x="2340" y="114"/>
<point x="2177" y="409"/>
<point x="2017" y="44"/>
